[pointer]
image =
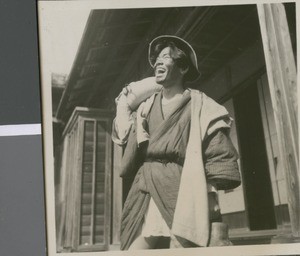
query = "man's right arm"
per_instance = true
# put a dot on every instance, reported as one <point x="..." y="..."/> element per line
<point x="123" y="120"/>
<point x="128" y="101"/>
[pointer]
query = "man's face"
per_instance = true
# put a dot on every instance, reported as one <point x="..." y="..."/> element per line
<point x="167" y="73"/>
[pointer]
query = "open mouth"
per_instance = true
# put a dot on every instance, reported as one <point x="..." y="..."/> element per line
<point x="159" y="71"/>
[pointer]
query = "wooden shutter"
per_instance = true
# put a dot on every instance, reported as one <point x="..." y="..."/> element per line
<point x="86" y="222"/>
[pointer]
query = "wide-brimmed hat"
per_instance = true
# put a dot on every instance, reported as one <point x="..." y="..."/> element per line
<point x="193" y="72"/>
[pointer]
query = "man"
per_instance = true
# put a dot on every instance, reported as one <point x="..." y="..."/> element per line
<point x="180" y="152"/>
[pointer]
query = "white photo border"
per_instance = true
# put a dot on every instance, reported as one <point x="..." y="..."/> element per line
<point x="45" y="45"/>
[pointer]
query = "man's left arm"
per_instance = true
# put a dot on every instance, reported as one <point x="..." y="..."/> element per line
<point x="220" y="160"/>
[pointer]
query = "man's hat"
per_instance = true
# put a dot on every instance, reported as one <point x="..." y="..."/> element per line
<point x="193" y="72"/>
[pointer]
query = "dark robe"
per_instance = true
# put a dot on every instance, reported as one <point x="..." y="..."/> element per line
<point x="160" y="165"/>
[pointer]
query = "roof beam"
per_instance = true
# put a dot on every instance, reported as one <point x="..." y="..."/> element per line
<point x="105" y="47"/>
<point x="124" y="24"/>
<point x="220" y="43"/>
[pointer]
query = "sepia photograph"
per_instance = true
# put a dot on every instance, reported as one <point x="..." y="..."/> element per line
<point x="170" y="127"/>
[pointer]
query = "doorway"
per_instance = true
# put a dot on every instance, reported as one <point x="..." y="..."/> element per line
<point x="254" y="162"/>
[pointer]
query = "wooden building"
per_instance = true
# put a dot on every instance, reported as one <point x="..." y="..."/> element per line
<point x="246" y="54"/>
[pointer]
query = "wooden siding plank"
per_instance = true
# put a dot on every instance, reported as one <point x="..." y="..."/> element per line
<point x="108" y="191"/>
<point x="93" y="182"/>
<point x="117" y="195"/>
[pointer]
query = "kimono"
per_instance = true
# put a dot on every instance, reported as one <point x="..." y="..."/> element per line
<point x="157" y="164"/>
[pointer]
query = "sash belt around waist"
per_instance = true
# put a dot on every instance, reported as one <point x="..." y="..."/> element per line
<point x="164" y="160"/>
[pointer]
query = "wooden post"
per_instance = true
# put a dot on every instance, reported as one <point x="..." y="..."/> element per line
<point x="282" y="77"/>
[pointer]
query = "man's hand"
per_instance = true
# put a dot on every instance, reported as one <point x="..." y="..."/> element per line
<point x="214" y="208"/>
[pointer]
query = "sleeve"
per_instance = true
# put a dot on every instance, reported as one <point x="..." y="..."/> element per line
<point x="123" y="121"/>
<point x="220" y="160"/>
<point x="133" y="154"/>
<point x="127" y="102"/>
